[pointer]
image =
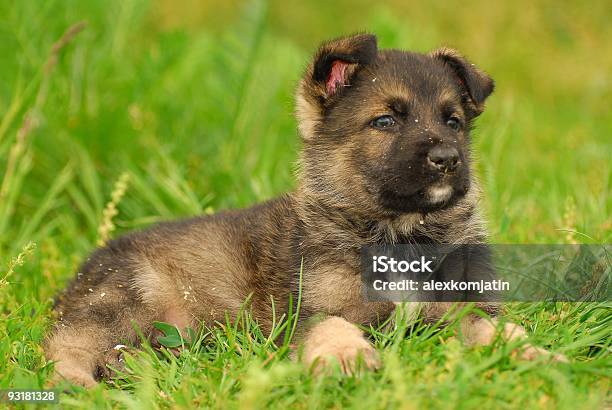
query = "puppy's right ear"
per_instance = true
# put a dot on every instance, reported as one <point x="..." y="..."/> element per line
<point x="333" y="67"/>
<point x="337" y="61"/>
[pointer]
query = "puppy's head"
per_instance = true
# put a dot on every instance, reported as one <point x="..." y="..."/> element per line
<point x="386" y="132"/>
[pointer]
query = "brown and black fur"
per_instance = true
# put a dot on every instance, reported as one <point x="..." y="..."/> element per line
<point x="359" y="184"/>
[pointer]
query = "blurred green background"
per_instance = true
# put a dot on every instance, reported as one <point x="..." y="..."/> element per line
<point x="194" y="99"/>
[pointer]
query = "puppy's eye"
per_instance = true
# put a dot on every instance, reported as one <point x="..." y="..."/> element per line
<point x="382" y="122"/>
<point x="454" y="123"/>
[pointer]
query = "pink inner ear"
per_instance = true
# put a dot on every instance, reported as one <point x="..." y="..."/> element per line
<point x="336" y="76"/>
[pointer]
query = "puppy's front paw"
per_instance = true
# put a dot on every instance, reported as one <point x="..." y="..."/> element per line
<point x="530" y="352"/>
<point x="336" y="342"/>
<point x="482" y="332"/>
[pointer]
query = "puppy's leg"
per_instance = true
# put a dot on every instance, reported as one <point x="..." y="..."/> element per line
<point x="83" y="343"/>
<point x="478" y="331"/>
<point x="337" y="340"/>
<point x="80" y="354"/>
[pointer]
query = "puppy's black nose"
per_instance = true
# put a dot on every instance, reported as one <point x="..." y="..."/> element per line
<point x="443" y="158"/>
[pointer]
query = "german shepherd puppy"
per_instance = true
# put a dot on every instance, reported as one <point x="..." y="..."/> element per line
<point x="385" y="160"/>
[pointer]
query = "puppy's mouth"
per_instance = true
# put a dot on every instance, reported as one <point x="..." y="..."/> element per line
<point x="428" y="199"/>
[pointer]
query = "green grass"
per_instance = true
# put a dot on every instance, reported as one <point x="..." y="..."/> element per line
<point x="194" y="103"/>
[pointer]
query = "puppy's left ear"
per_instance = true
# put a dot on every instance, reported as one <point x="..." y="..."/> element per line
<point x="477" y="84"/>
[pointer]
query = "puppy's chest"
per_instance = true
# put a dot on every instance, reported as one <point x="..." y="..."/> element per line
<point x="331" y="286"/>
